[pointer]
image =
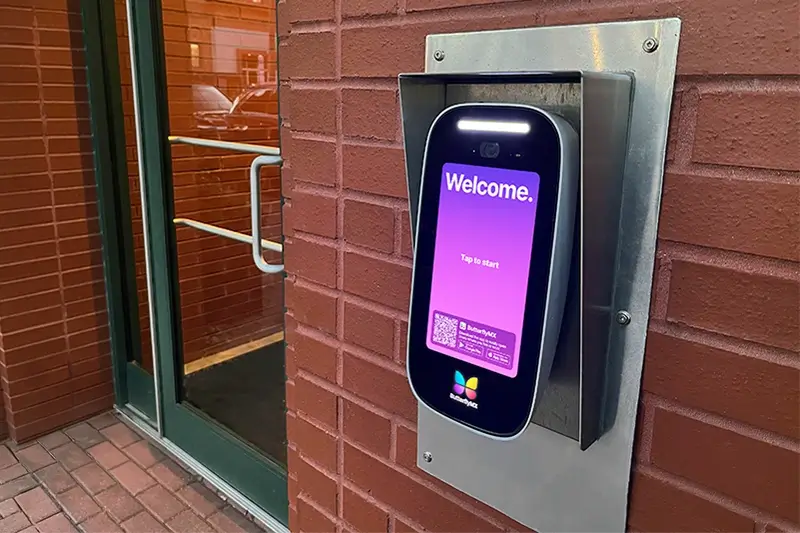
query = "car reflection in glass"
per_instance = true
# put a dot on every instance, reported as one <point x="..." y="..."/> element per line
<point x="216" y="112"/>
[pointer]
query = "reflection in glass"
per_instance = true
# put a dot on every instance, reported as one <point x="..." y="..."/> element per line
<point x="222" y="84"/>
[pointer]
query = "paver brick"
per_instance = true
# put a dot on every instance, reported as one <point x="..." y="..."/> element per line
<point x="120" y="434"/>
<point x="55" y="478"/>
<point x="119" y="503"/>
<point x="84" y="435"/>
<point x="56" y="524"/>
<point x="71" y="456"/>
<point x="93" y="478"/>
<point x="36" y="504"/>
<point x="107" y="455"/>
<point x="132" y="477"/>
<point x="78" y="504"/>
<point x="34" y="457"/>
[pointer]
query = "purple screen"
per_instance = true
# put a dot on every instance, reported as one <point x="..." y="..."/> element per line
<point x="481" y="260"/>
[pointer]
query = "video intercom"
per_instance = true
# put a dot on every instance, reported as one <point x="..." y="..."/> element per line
<point x="492" y="261"/>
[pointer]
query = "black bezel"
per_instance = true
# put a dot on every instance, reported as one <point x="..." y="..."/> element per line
<point x="504" y="403"/>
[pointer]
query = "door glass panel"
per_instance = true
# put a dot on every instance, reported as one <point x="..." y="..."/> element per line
<point x="222" y="85"/>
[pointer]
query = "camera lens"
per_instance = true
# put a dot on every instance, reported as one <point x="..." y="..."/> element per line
<point x="490" y="150"/>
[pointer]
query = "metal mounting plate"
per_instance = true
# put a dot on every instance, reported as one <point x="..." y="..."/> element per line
<point x="543" y="479"/>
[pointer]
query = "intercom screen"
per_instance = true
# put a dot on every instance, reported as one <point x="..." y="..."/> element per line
<point x="481" y="262"/>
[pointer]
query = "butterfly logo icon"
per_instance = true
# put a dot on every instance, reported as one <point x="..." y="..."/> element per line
<point x="468" y="386"/>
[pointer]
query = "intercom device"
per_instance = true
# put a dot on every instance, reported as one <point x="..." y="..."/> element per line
<point x="569" y="469"/>
<point x="493" y="248"/>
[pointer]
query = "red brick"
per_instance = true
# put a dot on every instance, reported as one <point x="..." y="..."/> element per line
<point x="188" y="521"/>
<point x="361" y="8"/>
<point x="36" y="504"/>
<point x="735" y="303"/>
<point x="313" y="161"/>
<point x="143" y="521"/>
<point x="19" y="485"/>
<point x="369" y="225"/>
<point x="748" y="129"/>
<point x="377" y="280"/>
<point x="369" y="329"/>
<point x="679" y="370"/>
<point x="12" y="472"/>
<point x="117" y="502"/>
<point x="78" y="504"/>
<point x="406" y="248"/>
<point x="169" y="474"/>
<point x="312" y="261"/>
<point x="84" y="435"/>
<point x="316" y="484"/>
<point x="133" y="478"/>
<point x="385" y="388"/>
<point x="200" y="499"/>
<point x="93" y="478"/>
<point x="384" y="51"/>
<point x="310" y="10"/>
<point x="14" y="523"/>
<point x="375" y="169"/>
<point x="373" y="113"/>
<point x="407" y="447"/>
<point x="657" y="506"/>
<point x="315" y="402"/>
<point x="315" y="356"/>
<point x="754" y="471"/>
<point x="312" y="521"/>
<point x="34" y="457"/>
<point x="313" y="213"/>
<point x="107" y="455"/>
<point x="309" y="55"/>
<point x="120" y="434"/>
<point x="312" y="307"/>
<point x="70" y="456"/>
<point x="367" y="428"/>
<point x="56" y="524"/>
<point x="100" y="523"/>
<point x="312" y="110"/>
<point x="6" y="457"/>
<point x="144" y="454"/>
<point x="55" y="478"/>
<point x="363" y="515"/>
<point x="434" y="511"/>
<point x="313" y="442"/>
<point x="161" y="503"/>
<point x="755" y="217"/>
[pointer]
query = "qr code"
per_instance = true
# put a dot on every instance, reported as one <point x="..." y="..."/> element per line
<point x="445" y="330"/>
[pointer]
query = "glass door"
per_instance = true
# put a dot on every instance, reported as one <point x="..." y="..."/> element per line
<point x="204" y="86"/>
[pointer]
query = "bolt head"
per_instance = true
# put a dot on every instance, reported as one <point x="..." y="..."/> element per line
<point x="427" y="457"/>
<point x="650" y="45"/>
<point x="438" y="55"/>
<point x="623" y="318"/>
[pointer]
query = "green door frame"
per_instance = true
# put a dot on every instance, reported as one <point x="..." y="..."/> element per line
<point x="132" y="385"/>
<point x="255" y="476"/>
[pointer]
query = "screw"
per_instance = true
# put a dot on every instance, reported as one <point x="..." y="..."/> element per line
<point x="438" y="55"/>
<point x="427" y="457"/>
<point x="623" y="318"/>
<point x="650" y="45"/>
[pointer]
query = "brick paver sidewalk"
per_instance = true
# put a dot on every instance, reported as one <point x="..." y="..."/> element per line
<point x="101" y="477"/>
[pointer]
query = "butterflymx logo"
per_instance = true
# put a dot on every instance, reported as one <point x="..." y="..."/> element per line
<point x="465" y="387"/>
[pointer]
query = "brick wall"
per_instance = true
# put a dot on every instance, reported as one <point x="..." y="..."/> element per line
<point x="54" y="356"/>
<point x="718" y="433"/>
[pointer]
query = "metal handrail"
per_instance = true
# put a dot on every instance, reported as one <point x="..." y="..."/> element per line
<point x="255" y="210"/>
<point x="228" y="234"/>
<point x="226" y="145"/>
